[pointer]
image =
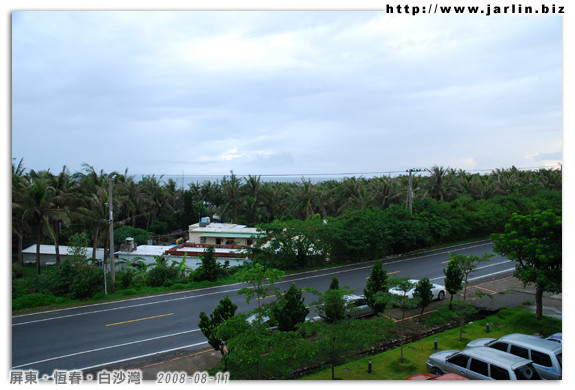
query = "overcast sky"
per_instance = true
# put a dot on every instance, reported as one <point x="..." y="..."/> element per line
<point x="284" y="92"/>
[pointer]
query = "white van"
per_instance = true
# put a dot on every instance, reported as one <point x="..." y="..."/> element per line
<point x="547" y="356"/>
<point x="482" y="363"/>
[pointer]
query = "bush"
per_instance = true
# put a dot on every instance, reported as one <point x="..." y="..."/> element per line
<point x="160" y="274"/>
<point x="87" y="282"/>
<point x="72" y="279"/>
<point x="35" y="300"/>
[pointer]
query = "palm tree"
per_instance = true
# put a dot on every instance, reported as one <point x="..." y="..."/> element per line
<point x="39" y="208"/>
<point x="385" y="191"/>
<point x="19" y="224"/>
<point x="304" y="197"/>
<point x="232" y="193"/>
<point x="251" y="204"/>
<point x="442" y="183"/>
<point x="353" y="194"/>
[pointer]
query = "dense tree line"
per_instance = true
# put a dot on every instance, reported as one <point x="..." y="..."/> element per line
<point x="447" y="204"/>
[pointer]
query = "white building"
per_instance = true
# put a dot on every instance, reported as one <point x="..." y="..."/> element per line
<point x="216" y="233"/>
<point x="48" y="254"/>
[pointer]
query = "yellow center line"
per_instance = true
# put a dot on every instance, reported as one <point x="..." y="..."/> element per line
<point x="140" y="319"/>
<point x="389" y="273"/>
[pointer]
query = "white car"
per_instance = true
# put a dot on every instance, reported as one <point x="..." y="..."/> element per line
<point x="438" y="290"/>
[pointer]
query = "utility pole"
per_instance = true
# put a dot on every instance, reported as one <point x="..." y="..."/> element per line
<point x="409" y="201"/>
<point x="111" y="207"/>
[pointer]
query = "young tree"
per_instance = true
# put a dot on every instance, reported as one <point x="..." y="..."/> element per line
<point x="402" y="286"/>
<point x="377" y="288"/>
<point x="331" y="304"/>
<point x="467" y="264"/>
<point x="290" y="309"/>
<point x="535" y="242"/>
<point x="423" y="294"/>
<point x="225" y="310"/>
<point x="334" y="285"/>
<point x="210" y="269"/>
<point x="453" y="280"/>
<point x="77" y="246"/>
<point x="261" y="281"/>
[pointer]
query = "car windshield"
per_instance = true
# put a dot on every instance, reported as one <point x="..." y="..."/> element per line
<point x="526" y="372"/>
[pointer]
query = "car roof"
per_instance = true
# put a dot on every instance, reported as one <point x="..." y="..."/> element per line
<point x="496" y="355"/>
<point x="532" y="342"/>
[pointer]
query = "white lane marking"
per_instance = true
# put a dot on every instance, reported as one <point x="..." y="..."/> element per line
<point x="143" y="356"/>
<point x="105" y="348"/>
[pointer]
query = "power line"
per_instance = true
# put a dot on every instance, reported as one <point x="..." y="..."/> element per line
<point x="370" y="173"/>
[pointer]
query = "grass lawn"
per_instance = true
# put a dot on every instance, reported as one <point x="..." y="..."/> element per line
<point x="387" y="365"/>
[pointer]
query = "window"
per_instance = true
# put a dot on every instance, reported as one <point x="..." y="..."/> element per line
<point x="519" y="351"/>
<point x="541" y="358"/>
<point x="500" y="346"/>
<point x="499" y="373"/>
<point x="479" y="367"/>
<point x="459" y="360"/>
<point x="218" y="241"/>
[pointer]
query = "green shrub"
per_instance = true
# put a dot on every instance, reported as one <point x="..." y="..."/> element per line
<point x="72" y="279"/>
<point x="158" y="275"/>
<point x="87" y="282"/>
<point x="127" y="292"/>
<point x="35" y="300"/>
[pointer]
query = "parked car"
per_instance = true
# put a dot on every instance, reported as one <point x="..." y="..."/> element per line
<point x="426" y="376"/>
<point x="438" y="290"/>
<point x="482" y="363"/>
<point x="546" y="355"/>
<point x="556" y="337"/>
<point x="265" y="320"/>
<point x="359" y="307"/>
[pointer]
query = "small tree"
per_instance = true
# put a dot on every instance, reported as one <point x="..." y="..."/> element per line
<point x="290" y="309"/>
<point x="377" y="288"/>
<point x="423" y="294"/>
<point x="334" y="285"/>
<point x="261" y="281"/>
<point x="467" y="264"/>
<point x="210" y="269"/>
<point x="332" y="305"/>
<point x="225" y="310"/>
<point x="453" y="280"/>
<point x="78" y="246"/>
<point x="403" y="286"/>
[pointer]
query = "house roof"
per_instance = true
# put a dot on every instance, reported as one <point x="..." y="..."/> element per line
<point x="51" y="250"/>
<point x="224" y="230"/>
<point x="147" y="250"/>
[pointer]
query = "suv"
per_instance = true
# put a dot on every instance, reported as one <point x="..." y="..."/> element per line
<point x="547" y="355"/>
<point x="482" y="363"/>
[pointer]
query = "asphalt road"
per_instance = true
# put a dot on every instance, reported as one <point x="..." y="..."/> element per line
<point x="88" y="337"/>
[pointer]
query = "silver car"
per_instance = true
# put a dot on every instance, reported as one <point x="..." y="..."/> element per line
<point x="482" y="363"/>
<point x="547" y="356"/>
<point x="357" y="306"/>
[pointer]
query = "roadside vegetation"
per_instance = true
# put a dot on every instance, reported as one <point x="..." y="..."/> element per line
<point x="307" y="225"/>
<point x="388" y="365"/>
<point x="283" y="343"/>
